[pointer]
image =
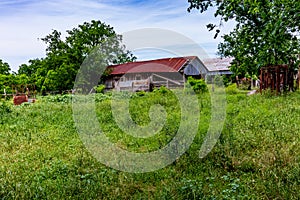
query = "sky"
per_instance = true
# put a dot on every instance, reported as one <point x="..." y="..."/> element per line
<point x="23" y="22"/>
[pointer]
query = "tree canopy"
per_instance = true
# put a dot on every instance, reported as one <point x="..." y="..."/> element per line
<point x="64" y="56"/>
<point x="266" y="32"/>
<point x="4" y="68"/>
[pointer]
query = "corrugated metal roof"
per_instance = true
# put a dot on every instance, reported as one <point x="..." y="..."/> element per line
<point x="153" y="66"/>
<point x="218" y="64"/>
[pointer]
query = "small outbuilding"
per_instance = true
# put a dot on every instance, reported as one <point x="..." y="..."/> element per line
<point x="218" y="66"/>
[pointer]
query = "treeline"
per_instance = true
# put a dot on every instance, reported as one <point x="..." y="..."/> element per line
<point x="8" y="79"/>
<point x="64" y="56"/>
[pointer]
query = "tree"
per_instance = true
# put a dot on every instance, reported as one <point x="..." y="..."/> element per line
<point x="58" y="70"/>
<point x="10" y="80"/>
<point x="31" y="68"/>
<point x="266" y="32"/>
<point x="4" y="68"/>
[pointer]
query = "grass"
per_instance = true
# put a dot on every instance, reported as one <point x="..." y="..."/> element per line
<point x="256" y="157"/>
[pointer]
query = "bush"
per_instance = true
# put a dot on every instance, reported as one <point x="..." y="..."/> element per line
<point x="100" y="88"/>
<point x="231" y="89"/>
<point x="101" y="97"/>
<point x="198" y="85"/>
<point x="162" y="90"/>
<point x="140" y="93"/>
<point x="67" y="98"/>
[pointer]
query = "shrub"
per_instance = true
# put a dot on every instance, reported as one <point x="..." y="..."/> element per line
<point x="162" y="90"/>
<point x="100" y="88"/>
<point x="101" y="97"/>
<point x="231" y="89"/>
<point x="140" y="93"/>
<point x="67" y="98"/>
<point x="198" y="85"/>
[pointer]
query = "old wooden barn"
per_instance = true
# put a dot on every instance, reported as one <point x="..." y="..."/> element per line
<point x="168" y="72"/>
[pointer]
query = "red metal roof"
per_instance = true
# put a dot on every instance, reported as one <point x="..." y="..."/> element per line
<point x="153" y="66"/>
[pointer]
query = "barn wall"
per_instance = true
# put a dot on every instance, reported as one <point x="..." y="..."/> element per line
<point x="196" y="69"/>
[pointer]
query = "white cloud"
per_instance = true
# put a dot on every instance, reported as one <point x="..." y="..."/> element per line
<point x="24" y="21"/>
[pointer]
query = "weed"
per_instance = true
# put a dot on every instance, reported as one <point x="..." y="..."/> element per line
<point x="256" y="157"/>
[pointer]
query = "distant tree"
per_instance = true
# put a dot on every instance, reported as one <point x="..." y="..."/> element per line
<point x="6" y="78"/>
<point x="266" y="32"/>
<point x="4" y="68"/>
<point x="36" y="71"/>
<point x="11" y="80"/>
<point x="30" y="69"/>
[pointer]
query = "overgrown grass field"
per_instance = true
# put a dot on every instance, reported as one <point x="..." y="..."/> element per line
<point x="256" y="157"/>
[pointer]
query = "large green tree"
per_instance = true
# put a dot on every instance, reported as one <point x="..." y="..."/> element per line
<point x="266" y="32"/>
<point x="64" y="56"/>
<point x="4" y="67"/>
<point x="6" y="79"/>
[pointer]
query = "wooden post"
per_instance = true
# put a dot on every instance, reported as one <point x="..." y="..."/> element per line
<point x="237" y="81"/>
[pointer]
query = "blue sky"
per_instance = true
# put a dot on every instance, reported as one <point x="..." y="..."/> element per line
<point x="22" y="22"/>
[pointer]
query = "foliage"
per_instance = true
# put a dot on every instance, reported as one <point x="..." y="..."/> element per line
<point x="67" y="98"/>
<point x="231" y="89"/>
<point x="228" y="79"/>
<point x="31" y="68"/>
<point x="245" y="84"/>
<point x="162" y="90"/>
<point x="198" y="85"/>
<point x="100" y="88"/>
<point x="256" y="157"/>
<point x="5" y="83"/>
<point x="254" y="77"/>
<point x="10" y="82"/>
<point x="219" y="80"/>
<point x="101" y="97"/>
<point x="4" y="108"/>
<point x="265" y="33"/>
<point x="7" y="80"/>
<point x="58" y="70"/>
<point x="4" y="68"/>
<point x="140" y="93"/>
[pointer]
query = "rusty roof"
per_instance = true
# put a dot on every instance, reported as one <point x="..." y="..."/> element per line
<point x="153" y="66"/>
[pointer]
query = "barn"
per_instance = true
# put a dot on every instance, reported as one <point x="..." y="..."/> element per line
<point x="144" y="75"/>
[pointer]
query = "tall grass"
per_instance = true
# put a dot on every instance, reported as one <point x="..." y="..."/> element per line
<point x="256" y="157"/>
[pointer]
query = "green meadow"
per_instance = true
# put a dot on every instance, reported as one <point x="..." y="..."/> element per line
<point x="256" y="157"/>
